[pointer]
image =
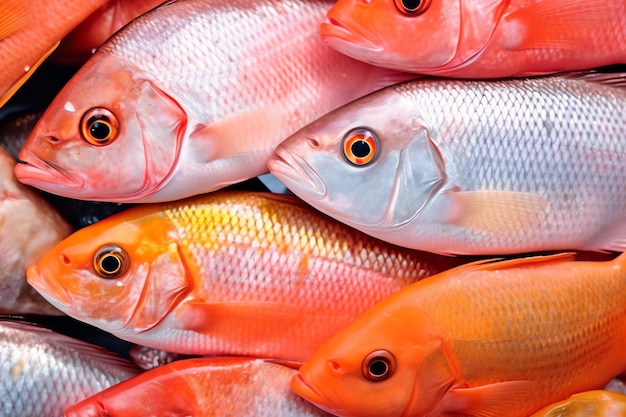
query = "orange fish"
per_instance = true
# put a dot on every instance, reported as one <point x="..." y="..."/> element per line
<point x="202" y="387"/>
<point x="479" y="38"/>
<point x="484" y="339"/>
<point x="597" y="403"/>
<point x="227" y="273"/>
<point x="30" y="31"/>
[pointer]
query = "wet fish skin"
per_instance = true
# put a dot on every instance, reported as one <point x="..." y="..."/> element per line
<point x="43" y="372"/>
<point x="587" y="404"/>
<point x="197" y="387"/>
<point x="474" y="167"/>
<point x="228" y="273"/>
<point x="480" y="39"/>
<point x="198" y="93"/>
<point x="29" y="227"/>
<point x="487" y="338"/>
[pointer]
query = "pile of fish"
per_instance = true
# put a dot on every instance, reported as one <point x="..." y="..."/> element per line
<point x="433" y="246"/>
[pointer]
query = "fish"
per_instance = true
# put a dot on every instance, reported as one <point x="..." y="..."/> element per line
<point x="202" y="387"/>
<point x="29" y="227"/>
<point x="488" y="338"/>
<point x="472" y="167"/>
<point x="479" y="39"/>
<point x="44" y="372"/>
<point x="228" y="273"/>
<point x="84" y="39"/>
<point x="30" y="31"/>
<point x="149" y="358"/>
<point x="597" y="403"/>
<point x="195" y="96"/>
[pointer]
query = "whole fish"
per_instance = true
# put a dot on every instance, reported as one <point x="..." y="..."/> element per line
<point x="229" y="273"/>
<point x="484" y="339"/>
<point x="203" y="387"/>
<point x="30" y="31"/>
<point x="29" y="227"/>
<point x="588" y="404"/>
<point x="43" y="372"/>
<point x="472" y="167"/>
<point x="479" y="38"/>
<point x="196" y="96"/>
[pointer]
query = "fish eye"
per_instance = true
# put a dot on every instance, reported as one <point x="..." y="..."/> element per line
<point x="110" y="261"/>
<point x="412" y="7"/>
<point x="99" y="126"/>
<point x="378" y="365"/>
<point x="360" y="146"/>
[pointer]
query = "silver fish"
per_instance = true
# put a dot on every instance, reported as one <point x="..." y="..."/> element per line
<point x="473" y="167"/>
<point x="43" y="372"/>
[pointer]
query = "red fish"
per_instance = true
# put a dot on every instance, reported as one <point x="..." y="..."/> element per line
<point x="484" y="339"/>
<point x="203" y="387"/>
<point x="479" y="38"/>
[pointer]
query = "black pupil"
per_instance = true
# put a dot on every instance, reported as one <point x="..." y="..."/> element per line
<point x="110" y="263"/>
<point x="99" y="130"/>
<point x="360" y="149"/>
<point x="411" y="4"/>
<point x="378" y="367"/>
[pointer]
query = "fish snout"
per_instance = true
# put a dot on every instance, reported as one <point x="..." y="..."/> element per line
<point x="52" y="291"/>
<point x="295" y="172"/>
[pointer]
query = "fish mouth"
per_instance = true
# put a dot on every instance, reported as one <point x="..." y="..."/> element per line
<point x="295" y="173"/>
<point x="299" y="385"/>
<point x="52" y="291"/>
<point x="336" y="33"/>
<point x="32" y="169"/>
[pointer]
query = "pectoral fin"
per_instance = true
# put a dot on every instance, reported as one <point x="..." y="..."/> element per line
<point x="550" y="24"/>
<point x="495" y="212"/>
<point x="493" y="400"/>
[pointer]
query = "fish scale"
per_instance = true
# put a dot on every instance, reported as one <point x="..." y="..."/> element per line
<point x="228" y="273"/>
<point x="536" y="155"/>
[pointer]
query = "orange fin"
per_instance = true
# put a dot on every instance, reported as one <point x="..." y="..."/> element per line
<point x="16" y="16"/>
<point x="549" y="24"/>
<point x="496" y="212"/>
<point x="492" y="400"/>
<point x="231" y="317"/>
<point x="27" y="74"/>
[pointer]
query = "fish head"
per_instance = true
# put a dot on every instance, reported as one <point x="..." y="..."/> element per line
<point x="406" y="35"/>
<point x="109" y="135"/>
<point x="122" y="274"/>
<point x="370" y="164"/>
<point x="380" y="364"/>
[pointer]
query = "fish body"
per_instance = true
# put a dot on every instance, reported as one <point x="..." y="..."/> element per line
<point x="43" y="372"/>
<point x="596" y="403"/>
<point x="472" y="167"/>
<point x="229" y="273"/>
<point x="30" y="31"/>
<point x="203" y="387"/>
<point x="29" y="227"/>
<point x="194" y="96"/>
<point x="484" y="339"/>
<point x="479" y="38"/>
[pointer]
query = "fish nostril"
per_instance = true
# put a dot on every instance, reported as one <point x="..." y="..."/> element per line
<point x="314" y="143"/>
<point x="52" y="139"/>
<point x="334" y="366"/>
<point x="64" y="259"/>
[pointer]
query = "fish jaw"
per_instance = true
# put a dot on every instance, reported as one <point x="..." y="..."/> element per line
<point x="35" y="171"/>
<point x="295" y="173"/>
<point x="305" y="390"/>
<point x="352" y="39"/>
<point x="51" y="290"/>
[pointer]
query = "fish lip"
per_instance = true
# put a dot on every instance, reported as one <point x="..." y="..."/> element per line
<point x="44" y="286"/>
<point x="35" y="170"/>
<point x="294" y="170"/>
<point x="305" y="390"/>
<point x="354" y="35"/>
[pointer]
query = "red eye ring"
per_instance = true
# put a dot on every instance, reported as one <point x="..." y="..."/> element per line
<point x="412" y="7"/>
<point x="99" y="126"/>
<point x="360" y="146"/>
<point x="378" y="365"/>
